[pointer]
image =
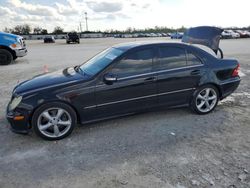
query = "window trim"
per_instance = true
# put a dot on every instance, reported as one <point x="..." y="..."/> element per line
<point x="160" y="71"/>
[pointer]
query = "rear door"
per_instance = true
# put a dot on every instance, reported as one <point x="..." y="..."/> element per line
<point x="135" y="88"/>
<point x="178" y="73"/>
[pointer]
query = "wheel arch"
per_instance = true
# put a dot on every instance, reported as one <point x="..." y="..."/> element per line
<point x="51" y="101"/>
<point x="209" y="83"/>
<point x="9" y="49"/>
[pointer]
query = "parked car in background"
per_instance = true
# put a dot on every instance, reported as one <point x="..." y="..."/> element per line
<point x="11" y="47"/>
<point x="125" y="79"/>
<point x="229" y="34"/>
<point x="176" y="35"/>
<point x="72" y="37"/>
<point x="49" y="39"/>
<point x="243" y="34"/>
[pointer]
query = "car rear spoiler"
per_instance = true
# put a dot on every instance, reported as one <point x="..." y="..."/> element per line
<point x="204" y="35"/>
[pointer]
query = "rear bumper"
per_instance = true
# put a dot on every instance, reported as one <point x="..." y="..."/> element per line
<point x="228" y="87"/>
<point x="21" y="52"/>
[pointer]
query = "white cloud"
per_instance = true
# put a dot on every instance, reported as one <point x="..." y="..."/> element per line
<point x="104" y="6"/>
<point x="35" y="9"/>
<point x="121" y="14"/>
<point x="6" y="11"/>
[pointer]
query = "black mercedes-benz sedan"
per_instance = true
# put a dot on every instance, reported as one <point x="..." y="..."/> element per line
<point x="121" y="80"/>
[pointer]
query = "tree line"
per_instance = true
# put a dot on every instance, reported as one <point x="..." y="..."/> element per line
<point x="26" y="29"/>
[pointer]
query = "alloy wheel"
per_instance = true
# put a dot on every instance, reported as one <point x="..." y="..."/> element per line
<point x="206" y="100"/>
<point x="54" y="122"/>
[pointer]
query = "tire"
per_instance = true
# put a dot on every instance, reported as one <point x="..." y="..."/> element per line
<point x="205" y="99"/>
<point x="54" y="121"/>
<point x="5" y="57"/>
<point x="14" y="58"/>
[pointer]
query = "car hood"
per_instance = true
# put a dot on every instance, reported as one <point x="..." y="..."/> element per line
<point x="9" y="35"/>
<point x="204" y="35"/>
<point x="53" y="79"/>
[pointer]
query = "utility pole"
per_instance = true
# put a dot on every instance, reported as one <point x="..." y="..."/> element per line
<point x="86" y="19"/>
<point x="80" y="27"/>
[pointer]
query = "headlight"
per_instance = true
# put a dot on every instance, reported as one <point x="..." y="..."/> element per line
<point x="15" y="102"/>
<point x="16" y="45"/>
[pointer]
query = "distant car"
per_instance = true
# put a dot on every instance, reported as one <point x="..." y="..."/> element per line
<point x="49" y="39"/>
<point x="72" y="37"/>
<point x="243" y="34"/>
<point x="176" y="35"/>
<point x="11" y="47"/>
<point x="229" y="34"/>
<point x="125" y="79"/>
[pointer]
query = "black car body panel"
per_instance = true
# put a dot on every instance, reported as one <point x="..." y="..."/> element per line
<point x="94" y="99"/>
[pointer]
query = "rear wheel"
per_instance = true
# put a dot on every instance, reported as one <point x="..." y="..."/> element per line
<point x="54" y="121"/>
<point x="205" y="99"/>
<point x="5" y="57"/>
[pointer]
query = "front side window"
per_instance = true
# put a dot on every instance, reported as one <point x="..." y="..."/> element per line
<point x="100" y="61"/>
<point x="171" y="58"/>
<point x="135" y="63"/>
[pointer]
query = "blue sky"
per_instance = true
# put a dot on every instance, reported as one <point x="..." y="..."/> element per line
<point x="121" y="14"/>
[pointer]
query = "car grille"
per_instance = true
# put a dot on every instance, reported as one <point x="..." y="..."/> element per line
<point x="22" y="42"/>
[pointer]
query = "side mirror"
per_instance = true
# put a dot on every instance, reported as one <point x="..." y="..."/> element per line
<point x="109" y="78"/>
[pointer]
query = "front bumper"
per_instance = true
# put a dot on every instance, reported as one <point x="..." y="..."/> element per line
<point x="18" y="126"/>
<point x="21" y="52"/>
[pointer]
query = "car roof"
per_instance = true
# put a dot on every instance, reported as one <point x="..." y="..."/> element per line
<point x="131" y="45"/>
<point x="197" y="47"/>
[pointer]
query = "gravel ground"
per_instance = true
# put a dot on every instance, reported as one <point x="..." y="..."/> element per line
<point x="172" y="149"/>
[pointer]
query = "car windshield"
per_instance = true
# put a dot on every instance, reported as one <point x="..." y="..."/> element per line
<point x="100" y="61"/>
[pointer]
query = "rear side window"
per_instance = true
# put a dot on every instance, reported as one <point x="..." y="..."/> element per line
<point x="193" y="60"/>
<point x="138" y="62"/>
<point x="171" y="58"/>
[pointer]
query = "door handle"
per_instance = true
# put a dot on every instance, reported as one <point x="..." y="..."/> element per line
<point x="150" y="79"/>
<point x="195" y="72"/>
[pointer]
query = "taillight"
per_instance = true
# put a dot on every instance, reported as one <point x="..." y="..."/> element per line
<point x="236" y="71"/>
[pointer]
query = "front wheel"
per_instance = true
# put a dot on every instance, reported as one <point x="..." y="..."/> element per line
<point x="54" y="121"/>
<point x="205" y="99"/>
<point x="5" y="57"/>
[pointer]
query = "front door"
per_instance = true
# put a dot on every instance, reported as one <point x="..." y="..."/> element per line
<point x="135" y="88"/>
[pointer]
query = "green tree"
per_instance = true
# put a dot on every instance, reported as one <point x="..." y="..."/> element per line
<point x="37" y="30"/>
<point x="58" y="30"/>
<point x="44" y="32"/>
<point x="22" y="29"/>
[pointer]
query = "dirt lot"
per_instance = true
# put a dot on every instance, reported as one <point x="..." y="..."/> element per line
<point x="171" y="149"/>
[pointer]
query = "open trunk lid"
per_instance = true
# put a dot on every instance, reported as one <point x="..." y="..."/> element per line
<point x="204" y="35"/>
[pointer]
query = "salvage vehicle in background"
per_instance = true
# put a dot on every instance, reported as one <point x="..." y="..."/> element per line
<point x="176" y="35"/>
<point x="72" y="37"/>
<point x="229" y="34"/>
<point x="49" y="39"/>
<point x="125" y="79"/>
<point x="243" y="34"/>
<point x="11" y="47"/>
